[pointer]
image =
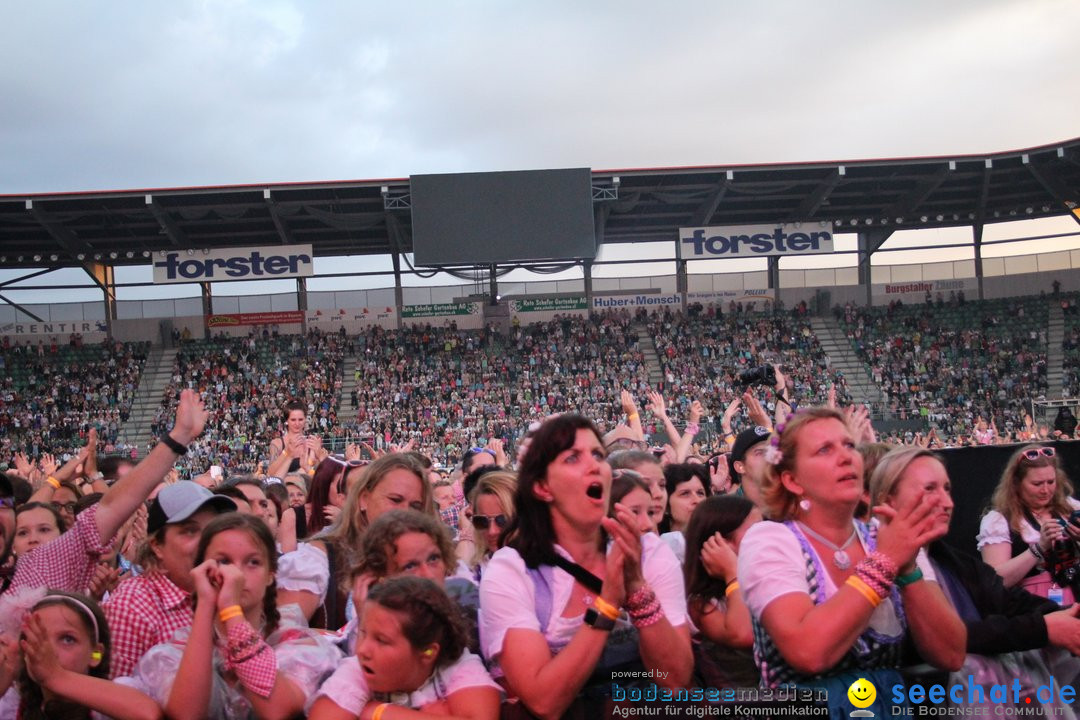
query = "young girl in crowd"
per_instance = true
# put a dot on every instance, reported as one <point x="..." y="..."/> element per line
<point x="277" y="662"/>
<point x="411" y="661"/>
<point x="405" y="542"/>
<point x="722" y="652"/>
<point x="36" y="523"/>
<point x="629" y="489"/>
<point x="65" y="652"/>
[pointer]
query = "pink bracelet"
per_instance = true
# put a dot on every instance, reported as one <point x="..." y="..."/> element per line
<point x="639" y="599"/>
<point x="251" y="659"/>
<point x="651" y="619"/>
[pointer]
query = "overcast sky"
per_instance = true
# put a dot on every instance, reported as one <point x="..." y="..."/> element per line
<point x="123" y="95"/>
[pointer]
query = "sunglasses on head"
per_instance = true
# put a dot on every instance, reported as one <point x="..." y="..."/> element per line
<point x="477" y="450"/>
<point x="1034" y="453"/>
<point x="347" y="465"/>
<point x="8" y="502"/>
<point x="483" y="522"/>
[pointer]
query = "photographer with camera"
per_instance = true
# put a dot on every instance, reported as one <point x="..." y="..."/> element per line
<point x="1031" y="535"/>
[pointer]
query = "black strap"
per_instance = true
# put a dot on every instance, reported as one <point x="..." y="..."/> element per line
<point x="583" y="576"/>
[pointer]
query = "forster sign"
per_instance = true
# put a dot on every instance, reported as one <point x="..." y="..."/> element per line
<point x="250" y="263"/>
<point x="747" y="241"/>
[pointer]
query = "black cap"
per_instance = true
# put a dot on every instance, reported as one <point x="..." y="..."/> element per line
<point x="743" y="442"/>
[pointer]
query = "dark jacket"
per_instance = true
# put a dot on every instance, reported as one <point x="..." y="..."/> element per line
<point x="998" y="619"/>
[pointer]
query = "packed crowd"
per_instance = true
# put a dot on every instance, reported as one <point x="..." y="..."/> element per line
<point x="958" y="364"/>
<point x="545" y="583"/>
<point x="706" y="354"/>
<point x="447" y="390"/>
<point x="244" y="382"/>
<point x="52" y="395"/>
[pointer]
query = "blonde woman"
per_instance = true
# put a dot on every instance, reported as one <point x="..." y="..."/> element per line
<point x="831" y="599"/>
<point x="491" y="509"/>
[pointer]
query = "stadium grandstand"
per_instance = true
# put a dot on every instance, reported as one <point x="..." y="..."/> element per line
<point x="939" y="345"/>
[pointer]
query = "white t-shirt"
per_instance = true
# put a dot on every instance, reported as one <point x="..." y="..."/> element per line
<point x="771" y="565"/>
<point x="508" y="596"/>
<point x="994" y="528"/>
<point x="348" y="689"/>
<point x="677" y="542"/>
<point x="305" y="568"/>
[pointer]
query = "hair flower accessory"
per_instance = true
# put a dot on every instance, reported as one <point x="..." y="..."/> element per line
<point x="773" y="455"/>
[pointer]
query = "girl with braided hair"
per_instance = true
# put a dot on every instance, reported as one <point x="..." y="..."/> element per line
<point x="273" y="662"/>
<point x="411" y="660"/>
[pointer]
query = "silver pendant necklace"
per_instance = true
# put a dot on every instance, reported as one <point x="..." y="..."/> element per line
<point x="840" y="557"/>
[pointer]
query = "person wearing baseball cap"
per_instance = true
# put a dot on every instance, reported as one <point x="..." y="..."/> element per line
<point x="147" y="609"/>
<point x="747" y="460"/>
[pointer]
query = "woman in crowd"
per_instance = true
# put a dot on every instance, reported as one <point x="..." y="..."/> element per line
<point x="687" y="486"/>
<point x="394" y="481"/>
<point x="552" y="619"/>
<point x="490" y="511"/>
<point x="1003" y="624"/>
<point x="65" y="665"/>
<point x="832" y="599"/>
<point x="294" y="450"/>
<point x="238" y="630"/>
<point x="1027" y="536"/>
<point x="413" y="644"/>
<point x="722" y="653"/>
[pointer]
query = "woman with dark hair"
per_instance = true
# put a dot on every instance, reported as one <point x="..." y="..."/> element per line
<point x="294" y="450"/>
<point x="687" y="486"/>
<point x="242" y="656"/>
<point x="575" y="595"/>
<point x="1028" y="536"/>
<point x="722" y="653"/>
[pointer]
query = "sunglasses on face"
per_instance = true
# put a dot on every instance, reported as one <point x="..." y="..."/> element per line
<point x="483" y="522"/>
<point x="1034" y="453"/>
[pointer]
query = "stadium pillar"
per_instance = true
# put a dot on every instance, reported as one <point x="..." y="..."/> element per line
<point x="207" y="308"/>
<point x="869" y="242"/>
<point x="774" y="273"/>
<point x="493" y="286"/>
<point x="301" y="302"/>
<point x="587" y="273"/>
<point x="976" y="232"/>
<point x="105" y="279"/>
<point x="681" y="284"/>
<point x="398" y="295"/>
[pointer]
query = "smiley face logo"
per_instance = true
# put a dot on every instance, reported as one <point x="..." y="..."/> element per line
<point x="862" y="693"/>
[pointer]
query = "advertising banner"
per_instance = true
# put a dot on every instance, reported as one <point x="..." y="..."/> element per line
<point x="749" y="241"/>
<point x="249" y="263"/>
<point x="440" y="310"/>
<point x="604" y="302"/>
<point x="265" y="318"/>
<point x="915" y="292"/>
<point x="533" y="305"/>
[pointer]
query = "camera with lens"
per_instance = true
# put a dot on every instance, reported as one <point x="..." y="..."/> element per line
<point x="761" y="375"/>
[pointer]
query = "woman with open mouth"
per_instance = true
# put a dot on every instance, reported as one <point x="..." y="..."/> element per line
<point x="575" y="597"/>
<point x="832" y="599"/>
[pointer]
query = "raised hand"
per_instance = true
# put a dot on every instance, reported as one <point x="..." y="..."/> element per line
<point x="757" y="414"/>
<point x="718" y="557"/>
<point x="232" y="586"/>
<point x="656" y="404"/>
<point x="191" y="415"/>
<point x="42" y="664"/>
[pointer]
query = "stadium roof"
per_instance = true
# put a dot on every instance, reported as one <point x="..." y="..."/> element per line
<point x="647" y="205"/>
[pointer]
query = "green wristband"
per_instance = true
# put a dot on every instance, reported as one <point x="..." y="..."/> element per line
<point x="913" y="576"/>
